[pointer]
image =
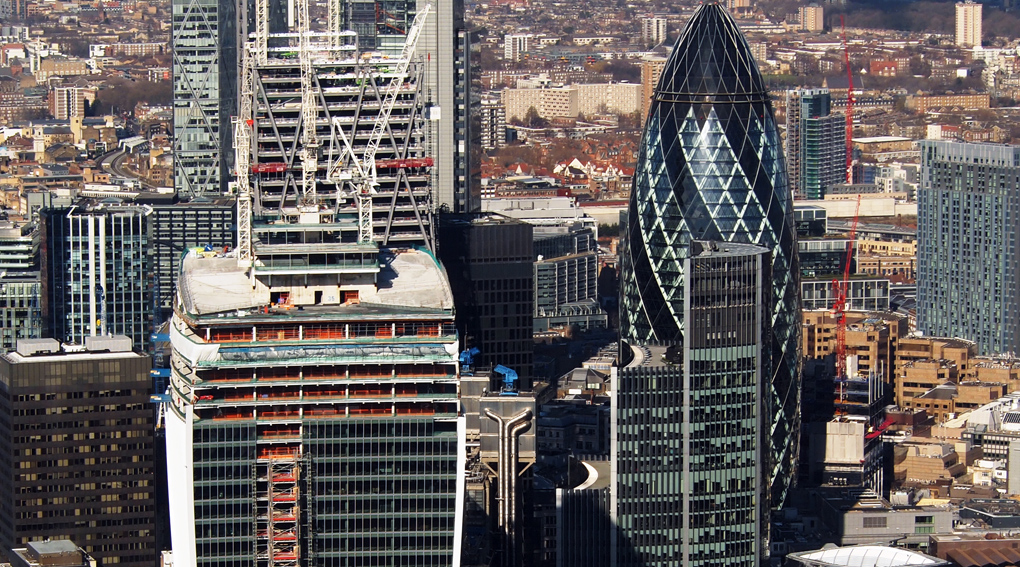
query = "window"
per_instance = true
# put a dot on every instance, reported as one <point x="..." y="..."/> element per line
<point x="875" y="521"/>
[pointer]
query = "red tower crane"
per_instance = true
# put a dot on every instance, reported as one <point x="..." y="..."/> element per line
<point x="849" y="106"/>
<point x="840" y="289"/>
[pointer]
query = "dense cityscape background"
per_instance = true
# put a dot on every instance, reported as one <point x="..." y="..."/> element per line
<point x="515" y="283"/>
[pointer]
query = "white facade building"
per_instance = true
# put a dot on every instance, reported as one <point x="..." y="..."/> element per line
<point x="968" y="24"/>
<point x="515" y="45"/>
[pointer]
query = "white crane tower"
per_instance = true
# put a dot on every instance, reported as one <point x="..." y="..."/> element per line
<point x="352" y="172"/>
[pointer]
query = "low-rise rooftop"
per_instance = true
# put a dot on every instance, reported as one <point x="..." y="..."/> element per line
<point x="213" y="284"/>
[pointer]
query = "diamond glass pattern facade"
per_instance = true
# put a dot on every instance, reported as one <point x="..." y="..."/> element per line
<point x="711" y="168"/>
<point x="204" y="76"/>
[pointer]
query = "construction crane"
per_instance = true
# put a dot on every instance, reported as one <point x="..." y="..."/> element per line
<point x="358" y="179"/>
<point x="849" y="107"/>
<point x="309" y="109"/>
<point x="840" y="289"/>
<point x="243" y="129"/>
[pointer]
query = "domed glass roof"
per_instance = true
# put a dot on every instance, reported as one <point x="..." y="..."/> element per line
<point x="868" y="556"/>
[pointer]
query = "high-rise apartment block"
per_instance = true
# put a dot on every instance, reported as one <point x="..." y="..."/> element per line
<point x="815" y="143"/>
<point x="968" y="254"/>
<point x="493" y="123"/>
<point x="709" y="313"/>
<point x="651" y="70"/>
<point x="812" y="18"/>
<point x="968" y="24"/>
<point x="515" y="45"/>
<point x="77" y="460"/>
<point x="653" y="30"/>
<point x="572" y="100"/>
<point x="67" y="102"/>
<point x="95" y="272"/>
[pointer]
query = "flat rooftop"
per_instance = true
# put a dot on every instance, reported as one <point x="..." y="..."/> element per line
<point x="407" y="279"/>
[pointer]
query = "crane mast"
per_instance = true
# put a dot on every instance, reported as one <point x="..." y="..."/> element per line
<point x="309" y="109"/>
<point x="243" y="126"/>
<point x="359" y="177"/>
<point x="840" y="289"/>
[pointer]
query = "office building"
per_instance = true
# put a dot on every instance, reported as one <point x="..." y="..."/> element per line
<point x="691" y="443"/>
<point x="815" y="143"/>
<point x="870" y="555"/>
<point x="490" y="262"/>
<point x="313" y="414"/>
<point x="923" y="363"/>
<point x="844" y="416"/>
<point x="812" y="18"/>
<point x="456" y="177"/>
<point x="51" y="553"/>
<point x="95" y="272"/>
<point x="653" y="30"/>
<point x="205" y="37"/>
<point x="863" y="293"/>
<point x="176" y="228"/>
<point x="968" y="24"/>
<point x="404" y="178"/>
<point x="205" y="61"/>
<point x="732" y="153"/>
<point x="20" y="316"/>
<point x="573" y="518"/>
<point x="327" y="415"/>
<point x="77" y="462"/>
<point x="566" y="279"/>
<point x="968" y="223"/>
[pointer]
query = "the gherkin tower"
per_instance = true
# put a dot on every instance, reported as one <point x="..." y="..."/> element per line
<point x="711" y="168"/>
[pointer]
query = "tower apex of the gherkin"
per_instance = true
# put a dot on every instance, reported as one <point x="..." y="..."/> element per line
<point x="710" y="58"/>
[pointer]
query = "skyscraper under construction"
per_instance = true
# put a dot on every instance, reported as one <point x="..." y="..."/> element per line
<point x="208" y="38"/>
<point x="314" y="388"/>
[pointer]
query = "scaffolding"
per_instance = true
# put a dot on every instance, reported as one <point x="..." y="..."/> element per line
<point x="278" y="506"/>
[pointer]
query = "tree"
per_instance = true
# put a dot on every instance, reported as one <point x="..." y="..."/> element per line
<point x="620" y="69"/>
<point x="514" y="154"/>
<point x="126" y="93"/>
<point x="532" y="119"/>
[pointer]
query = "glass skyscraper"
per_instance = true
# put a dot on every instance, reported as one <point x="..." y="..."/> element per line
<point x="691" y="453"/>
<point x="205" y="93"/>
<point x="815" y="143"/>
<point x="205" y="38"/>
<point x="968" y="226"/>
<point x="710" y="168"/>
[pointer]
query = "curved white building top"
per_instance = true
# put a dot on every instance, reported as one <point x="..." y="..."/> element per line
<point x="867" y="556"/>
